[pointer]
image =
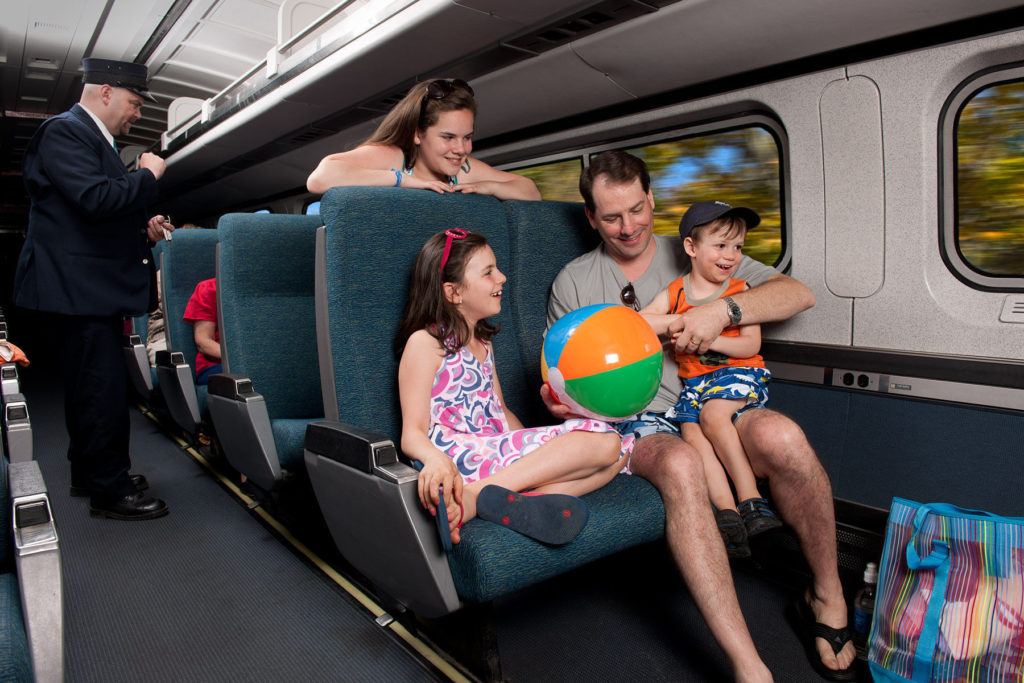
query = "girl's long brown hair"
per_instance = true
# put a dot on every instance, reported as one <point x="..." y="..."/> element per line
<point x="428" y="308"/>
<point x="415" y="112"/>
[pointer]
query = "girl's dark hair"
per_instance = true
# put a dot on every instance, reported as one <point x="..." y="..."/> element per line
<point x="428" y="308"/>
<point x="415" y="112"/>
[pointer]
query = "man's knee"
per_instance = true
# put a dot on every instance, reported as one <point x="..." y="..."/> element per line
<point x="664" y="459"/>
<point x="774" y="438"/>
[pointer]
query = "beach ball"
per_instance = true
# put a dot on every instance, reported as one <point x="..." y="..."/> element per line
<point x="603" y="361"/>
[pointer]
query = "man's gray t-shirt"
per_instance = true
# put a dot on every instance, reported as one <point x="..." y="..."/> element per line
<point x="595" y="278"/>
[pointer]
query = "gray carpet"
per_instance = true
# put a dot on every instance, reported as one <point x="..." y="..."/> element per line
<point x="206" y="593"/>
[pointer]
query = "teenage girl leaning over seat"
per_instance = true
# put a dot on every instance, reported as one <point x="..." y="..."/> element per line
<point x="423" y="143"/>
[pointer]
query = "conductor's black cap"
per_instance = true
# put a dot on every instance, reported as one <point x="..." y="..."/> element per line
<point x="127" y="75"/>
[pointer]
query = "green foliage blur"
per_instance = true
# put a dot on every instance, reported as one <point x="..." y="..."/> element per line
<point x="990" y="180"/>
<point x="738" y="166"/>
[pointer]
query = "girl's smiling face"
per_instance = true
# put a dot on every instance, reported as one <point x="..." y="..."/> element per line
<point x="478" y="296"/>
<point x="445" y="146"/>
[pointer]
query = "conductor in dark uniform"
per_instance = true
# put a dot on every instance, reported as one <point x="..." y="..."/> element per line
<point x="86" y="262"/>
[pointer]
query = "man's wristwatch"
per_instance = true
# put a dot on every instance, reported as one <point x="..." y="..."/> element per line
<point x="735" y="313"/>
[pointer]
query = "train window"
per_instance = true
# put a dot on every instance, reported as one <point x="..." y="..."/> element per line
<point x="738" y="166"/>
<point x="313" y="208"/>
<point x="982" y="172"/>
<point x="558" y="181"/>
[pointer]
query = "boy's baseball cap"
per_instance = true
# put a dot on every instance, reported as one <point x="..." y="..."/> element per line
<point x="705" y="212"/>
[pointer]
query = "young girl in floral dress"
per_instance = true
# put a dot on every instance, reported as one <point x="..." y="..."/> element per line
<point x="455" y="421"/>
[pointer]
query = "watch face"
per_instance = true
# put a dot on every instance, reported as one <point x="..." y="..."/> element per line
<point x="735" y="314"/>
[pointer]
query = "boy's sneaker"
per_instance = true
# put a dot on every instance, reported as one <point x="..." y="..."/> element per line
<point x="758" y="517"/>
<point x="734" y="533"/>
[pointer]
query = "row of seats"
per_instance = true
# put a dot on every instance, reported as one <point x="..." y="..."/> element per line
<point x="264" y="271"/>
<point x="308" y="308"/>
<point x="31" y="588"/>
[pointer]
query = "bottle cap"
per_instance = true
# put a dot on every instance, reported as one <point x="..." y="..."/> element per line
<point x="871" y="573"/>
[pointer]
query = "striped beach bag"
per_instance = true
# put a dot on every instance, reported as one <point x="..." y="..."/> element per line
<point x="950" y="598"/>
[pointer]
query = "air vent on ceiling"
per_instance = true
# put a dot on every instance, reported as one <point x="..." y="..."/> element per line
<point x="49" y="26"/>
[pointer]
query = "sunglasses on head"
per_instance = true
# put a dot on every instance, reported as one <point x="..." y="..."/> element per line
<point x="628" y="296"/>
<point x="443" y="87"/>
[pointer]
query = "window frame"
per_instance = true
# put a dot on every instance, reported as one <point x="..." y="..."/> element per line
<point x="949" y="228"/>
<point x="738" y="121"/>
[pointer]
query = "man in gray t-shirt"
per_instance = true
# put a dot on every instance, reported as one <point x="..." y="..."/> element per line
<point x="595" y="278"/>
<point x="631" y="266"/>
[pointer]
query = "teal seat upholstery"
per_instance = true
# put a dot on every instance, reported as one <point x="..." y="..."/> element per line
<point x="185" y="261"/>
<point x="15" y="662"/>
<point x="268" y="323"/>
<point x="372" y="238"/>
<point x="188" y="260"/>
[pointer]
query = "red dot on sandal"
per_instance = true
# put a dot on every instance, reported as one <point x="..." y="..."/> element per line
<point x="511" y="497"/>
<point x="566" y="513"/>
<point x="504" y="520"/>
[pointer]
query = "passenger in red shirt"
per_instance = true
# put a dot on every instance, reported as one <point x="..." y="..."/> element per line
<point x="201" y="313"/>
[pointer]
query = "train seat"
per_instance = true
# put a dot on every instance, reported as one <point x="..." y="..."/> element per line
<point x="365" y="490"/>
<point x="270" y="389"/>
<point x="141" y="373"/>
<point x="31" y="593"/>
<point x="187" y="260"/>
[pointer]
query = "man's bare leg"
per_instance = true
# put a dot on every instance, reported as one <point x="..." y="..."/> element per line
<point x="675" y="469"/>
<point x="778" y="450"/>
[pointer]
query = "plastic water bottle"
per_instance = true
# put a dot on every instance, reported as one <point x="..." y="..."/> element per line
<point x="864" y="609"/>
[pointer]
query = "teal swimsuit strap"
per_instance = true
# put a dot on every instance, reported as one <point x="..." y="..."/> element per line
<point x="452" y="179"/>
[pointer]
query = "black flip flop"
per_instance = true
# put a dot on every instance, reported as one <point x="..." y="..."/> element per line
<point x="808" y="628"/>
<point x="552" y="518"/>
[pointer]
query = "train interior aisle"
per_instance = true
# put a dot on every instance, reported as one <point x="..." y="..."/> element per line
<point x="205" y="593"/>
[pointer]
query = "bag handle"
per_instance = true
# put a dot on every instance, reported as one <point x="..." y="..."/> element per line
<point x="938" y="560"/>
<point x="940" y="549"/>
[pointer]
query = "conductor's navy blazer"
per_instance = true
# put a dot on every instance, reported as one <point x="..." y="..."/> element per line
<point x="86" y="252"/>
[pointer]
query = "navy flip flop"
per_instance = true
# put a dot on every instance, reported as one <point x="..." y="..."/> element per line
<point x="552" y="518"/>
<point x="441" y="518"/>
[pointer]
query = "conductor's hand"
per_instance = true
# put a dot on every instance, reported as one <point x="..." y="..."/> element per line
<point x="154" y="163"/>
<point x="157" y="228"/>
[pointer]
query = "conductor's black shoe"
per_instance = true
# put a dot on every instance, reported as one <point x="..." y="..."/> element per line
<point x="135" y="506"/>
<point x="138" y="481"/>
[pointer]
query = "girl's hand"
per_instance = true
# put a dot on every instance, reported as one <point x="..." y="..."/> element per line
<point x="556" y="408"/>
<point x="438" y="186"/>
<point x="439" y="474"/>
<point x="479" y="187"/>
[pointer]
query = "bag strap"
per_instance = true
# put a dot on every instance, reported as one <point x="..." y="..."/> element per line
<point x="937" y="560"/>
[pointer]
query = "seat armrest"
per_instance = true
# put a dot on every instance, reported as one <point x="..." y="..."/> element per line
<point x="178" y="386"/>
<point x="17" y="428"/>
<point x="370" y="502"/>
<point x="240" y="418"/>
<point x="9" y="382"/>
<point x="37" y="556"/>
<point x="169" y="359"/>
<point x="137" y="361"/>
<point x="232" y="386"/>
<point x="362" y="449"/>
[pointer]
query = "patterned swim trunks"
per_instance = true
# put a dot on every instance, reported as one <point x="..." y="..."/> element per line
<point x="750" y="384"/>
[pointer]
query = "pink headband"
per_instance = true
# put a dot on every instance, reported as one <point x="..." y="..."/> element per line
<point x="451" y="234"/>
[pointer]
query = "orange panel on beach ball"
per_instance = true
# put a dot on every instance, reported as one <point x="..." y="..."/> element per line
<point x="611" y="338"/>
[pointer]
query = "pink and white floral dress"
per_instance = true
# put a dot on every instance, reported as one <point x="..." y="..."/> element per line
<point x="468" y="422"/>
